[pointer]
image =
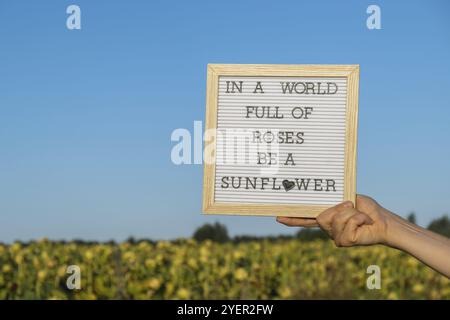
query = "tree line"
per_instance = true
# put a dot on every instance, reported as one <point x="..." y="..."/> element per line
<point x="218" y="232"/>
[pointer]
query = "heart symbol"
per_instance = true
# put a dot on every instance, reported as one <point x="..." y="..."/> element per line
<point x="288" y="185"/>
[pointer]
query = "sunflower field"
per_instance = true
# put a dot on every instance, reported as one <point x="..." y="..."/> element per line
<point x="185" y="269"/>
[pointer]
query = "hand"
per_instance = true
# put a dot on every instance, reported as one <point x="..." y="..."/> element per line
<point x="366" y="224"/>
<point x="370" y="224"/>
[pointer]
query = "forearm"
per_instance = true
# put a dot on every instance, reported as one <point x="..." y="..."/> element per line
<point x="429" y="247"/>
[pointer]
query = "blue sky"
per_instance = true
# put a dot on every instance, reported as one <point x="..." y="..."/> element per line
<point x="86" y="115"/>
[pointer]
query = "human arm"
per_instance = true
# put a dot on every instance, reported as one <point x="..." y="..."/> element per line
<point x="369" y="223"/>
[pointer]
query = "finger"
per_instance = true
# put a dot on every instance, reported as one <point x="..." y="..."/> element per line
<point x="298" y="222"/>
<point x="350" y="233"/>
<point x="325" y="218"/>
<point x="340" y="220"/>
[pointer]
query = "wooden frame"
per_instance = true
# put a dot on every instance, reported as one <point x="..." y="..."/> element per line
<point x="351" y="72"/>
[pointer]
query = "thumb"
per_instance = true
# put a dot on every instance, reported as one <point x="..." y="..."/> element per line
<point x="360" y="219"/>
<point x="354" y="223"/>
